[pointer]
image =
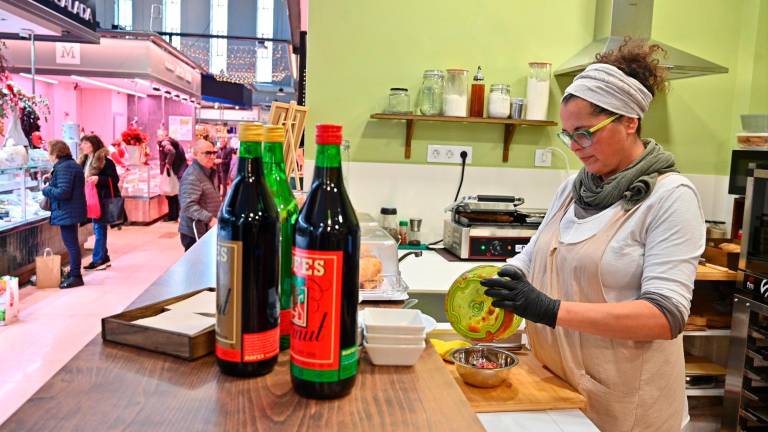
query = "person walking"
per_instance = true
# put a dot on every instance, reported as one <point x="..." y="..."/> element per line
<point x="224" y="156"/>
<point x="173" y="159"/>
<point x="199" y="196"/>
<point x="100" y="170"/>
<point x="66" y="192"/>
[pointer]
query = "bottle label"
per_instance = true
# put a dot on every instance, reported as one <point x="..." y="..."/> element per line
<point x="316" y="354"/>
<point x="231" y="343"/>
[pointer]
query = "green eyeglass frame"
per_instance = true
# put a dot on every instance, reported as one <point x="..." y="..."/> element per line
<point x="584" y="137"/>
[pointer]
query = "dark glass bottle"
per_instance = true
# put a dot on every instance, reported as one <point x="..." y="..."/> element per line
<point x="247" y="267"/>
<point x="274" y="172"/>
<point x="324" y="350"/>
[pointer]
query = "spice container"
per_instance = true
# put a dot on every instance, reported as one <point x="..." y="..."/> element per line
<point x="499" y="101"/>
<point x="455" y="99"/>
<point x="414" y="233"/>
<point x="538" y="90"/>
<point x="518" y="108"/>
<point x="403" y="232"/>
<point x="477" y="101"/>
<point x="431" y="96"/>
<point x="399" y="101"/>
<point x="389" y="221"/>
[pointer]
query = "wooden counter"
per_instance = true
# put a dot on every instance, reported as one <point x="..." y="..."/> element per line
<point x="705" y="273"/>
<point x="112" y="387"/>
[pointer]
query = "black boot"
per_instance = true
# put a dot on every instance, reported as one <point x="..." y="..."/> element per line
<point x="72" y="282"/>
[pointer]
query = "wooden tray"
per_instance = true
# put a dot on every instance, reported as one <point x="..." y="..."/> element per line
<point x="530" y="387"/>
<point x="120" y="328"/>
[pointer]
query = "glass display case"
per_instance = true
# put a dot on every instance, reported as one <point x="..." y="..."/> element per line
<point x="140" y="187"/>
<point x="20" y="195"/>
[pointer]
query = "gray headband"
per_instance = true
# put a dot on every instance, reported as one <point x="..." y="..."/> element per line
<point x="606" y="86"/>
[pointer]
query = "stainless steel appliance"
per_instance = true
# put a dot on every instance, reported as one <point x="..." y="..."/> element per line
<point x="746" y="384"/>
<point x="489" y="227"/>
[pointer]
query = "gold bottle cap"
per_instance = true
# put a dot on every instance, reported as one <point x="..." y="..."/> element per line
<point x="274" y="133"/>
<point x="251" y="132"/>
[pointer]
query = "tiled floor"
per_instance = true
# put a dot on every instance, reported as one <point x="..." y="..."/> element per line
<point x="55" y="324"/>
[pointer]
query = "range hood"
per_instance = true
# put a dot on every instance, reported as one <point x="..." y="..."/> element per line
<point x="634" y="18"/>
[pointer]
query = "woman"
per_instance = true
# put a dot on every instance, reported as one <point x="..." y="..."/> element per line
<point x="101" y="171"/>
<point x="173" y="159"/>
<point x="606" y="283"/>
<point x="66" y="192"/>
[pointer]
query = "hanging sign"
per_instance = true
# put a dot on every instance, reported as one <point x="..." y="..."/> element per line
<point x="79" y="11"/>
<point x="67" y="53"/>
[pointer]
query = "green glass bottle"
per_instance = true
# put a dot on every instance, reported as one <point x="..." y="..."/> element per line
<point x="274" y="171"/>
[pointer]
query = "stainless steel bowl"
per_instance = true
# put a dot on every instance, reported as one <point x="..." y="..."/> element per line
<point x="466" y="358"/>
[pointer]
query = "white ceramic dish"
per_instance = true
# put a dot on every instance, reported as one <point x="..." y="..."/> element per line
<point x="384" y="339"/>
<point x="394" y="355"/>
<point x="392" y="321"/>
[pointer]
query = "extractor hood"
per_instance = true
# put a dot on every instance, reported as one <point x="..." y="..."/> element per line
<point x="634" y="18"/>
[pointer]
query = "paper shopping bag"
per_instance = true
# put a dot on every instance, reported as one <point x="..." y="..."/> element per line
<point x="48" y="269"/>
<point x="9" y="299"/>
<point x="92" y="201"/>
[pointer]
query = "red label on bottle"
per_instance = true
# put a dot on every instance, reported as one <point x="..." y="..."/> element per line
<point x="285" y="322"/>
<point x="316" y="318"/>
<point x="261" y="346"/>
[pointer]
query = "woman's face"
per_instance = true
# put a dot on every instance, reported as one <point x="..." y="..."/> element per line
<point x="52" y="158"/>
<point x="86" y="147"/>
<point x="614" y="147"/>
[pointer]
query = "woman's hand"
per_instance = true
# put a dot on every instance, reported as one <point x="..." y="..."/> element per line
<point x="92" y="179"/>
<point x="513" y="291"/>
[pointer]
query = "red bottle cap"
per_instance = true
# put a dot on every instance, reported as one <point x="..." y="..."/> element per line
<point x="328" y="134"/>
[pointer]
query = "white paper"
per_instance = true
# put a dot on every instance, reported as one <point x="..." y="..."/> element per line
<point x="179" y="321"/>
<point x="203" y="303"/>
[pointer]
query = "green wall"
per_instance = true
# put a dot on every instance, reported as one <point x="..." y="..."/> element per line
<point x="359" y="49"/>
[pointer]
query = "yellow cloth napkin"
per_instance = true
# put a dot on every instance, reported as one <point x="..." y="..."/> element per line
<point x="444" y="348"/>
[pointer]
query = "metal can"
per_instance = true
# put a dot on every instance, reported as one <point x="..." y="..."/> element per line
<point x="518" y="108"/>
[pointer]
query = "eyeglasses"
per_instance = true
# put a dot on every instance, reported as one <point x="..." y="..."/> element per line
<point x="209" y="153"/>
<point x="584" y="137"/>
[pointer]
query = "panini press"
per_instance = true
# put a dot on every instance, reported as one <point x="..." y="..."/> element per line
<point x="489" y="227"/>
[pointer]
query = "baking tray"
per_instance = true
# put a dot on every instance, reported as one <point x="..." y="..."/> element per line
<point x="120" y="329"/>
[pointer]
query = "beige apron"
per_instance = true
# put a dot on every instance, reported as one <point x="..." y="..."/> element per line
<point x="629" y="386"/>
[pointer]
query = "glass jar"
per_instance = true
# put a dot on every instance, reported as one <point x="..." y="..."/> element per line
<point x="499" y="101"/>
<point x="537" y="93"/>
<point x="403" y="232"/>
<point x="455" y="95"/>
<point x="389" y="221"/>
<point x="399" y="101"/>
<point x="431" y="96"/>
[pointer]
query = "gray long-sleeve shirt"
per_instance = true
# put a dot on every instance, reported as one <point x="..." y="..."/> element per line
<point x="199" y="200"/>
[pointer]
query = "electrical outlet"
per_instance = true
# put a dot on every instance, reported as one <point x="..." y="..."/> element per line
<point x="543" y="158"/>
<point x="447" y="154"/>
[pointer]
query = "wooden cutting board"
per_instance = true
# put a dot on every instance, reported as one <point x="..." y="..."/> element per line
<point x="695" y="365"/>
<point x="530" y="387"/>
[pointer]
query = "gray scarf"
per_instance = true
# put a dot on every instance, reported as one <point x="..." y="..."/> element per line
<point x="633" y="184"/>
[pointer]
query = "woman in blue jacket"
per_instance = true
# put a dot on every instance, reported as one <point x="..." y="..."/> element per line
<point x="66" y="192"/>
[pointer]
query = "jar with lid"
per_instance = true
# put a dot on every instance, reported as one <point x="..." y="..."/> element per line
<point x="403" y="232"/>
<point x="518" y="108"/>
<point x="431" y="96"/>
<point x="389" y="221"/>
<point x="537" y="93"/>
<point x="399" y="101"/>
<point x="455" y="96"/>
<point x="499" y="101"/>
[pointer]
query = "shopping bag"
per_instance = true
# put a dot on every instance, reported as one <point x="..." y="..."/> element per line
<point x="92" y="201"/>
<point x="9" y="299"/>
<point x="113" y="209"/>
<point x="48" y="269"/>
<point x="169" y="184"/>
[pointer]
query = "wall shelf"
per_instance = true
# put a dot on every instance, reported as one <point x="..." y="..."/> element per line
<point x="510" y="126"/>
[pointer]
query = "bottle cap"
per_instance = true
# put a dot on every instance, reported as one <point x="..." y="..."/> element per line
<point x="404" y="223"/>
<point x="329" y="134"/>
<point x="274" y="133"/>
<point x="388" y="211"/>
<point x="479" y="75"/>
<point x="251" y="132"/>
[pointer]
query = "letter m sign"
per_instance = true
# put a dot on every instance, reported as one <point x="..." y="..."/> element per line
<point x="67" y="53"/>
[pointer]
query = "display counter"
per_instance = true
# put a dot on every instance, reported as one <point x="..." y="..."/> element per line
<point x="140" y="187"/>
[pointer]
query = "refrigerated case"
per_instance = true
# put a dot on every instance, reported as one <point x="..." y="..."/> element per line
<point x="140" y="187"/>
<point x="20" y="195"/>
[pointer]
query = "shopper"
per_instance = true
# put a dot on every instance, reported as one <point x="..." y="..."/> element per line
<point x="606" y="283"/>
<point x="224" y="156"/>
<point x="200" y="200"/>
<point x="100" y="170"/>
<point x="66" y="192"/>
<point x="172" y="158"/>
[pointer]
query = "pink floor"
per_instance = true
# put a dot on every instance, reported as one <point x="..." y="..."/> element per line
<point x="55" y="324"/>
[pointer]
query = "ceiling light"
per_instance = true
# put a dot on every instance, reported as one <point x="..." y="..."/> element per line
<point x="109" y="86"/>
<point x="39" y="78"/>
<point x="142" y="81"/>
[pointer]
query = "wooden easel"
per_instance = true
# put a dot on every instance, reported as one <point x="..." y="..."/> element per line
<point x="292" y="117"/>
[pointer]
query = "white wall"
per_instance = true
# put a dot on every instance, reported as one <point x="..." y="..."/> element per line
<point x="424" y="191"/>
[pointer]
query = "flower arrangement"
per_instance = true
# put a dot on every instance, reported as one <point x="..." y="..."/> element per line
<point x="14" y="98"/>
<point x="134" y="136"/>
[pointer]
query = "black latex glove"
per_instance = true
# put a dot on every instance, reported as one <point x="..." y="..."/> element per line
<point x="513" y="291"/>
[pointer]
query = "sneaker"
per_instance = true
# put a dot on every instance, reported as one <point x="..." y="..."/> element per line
<point x="98" y="265"/>
<point x="72" y="282"/>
